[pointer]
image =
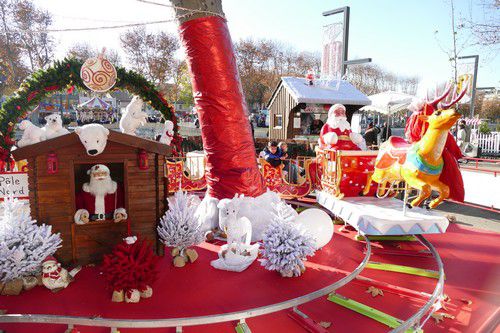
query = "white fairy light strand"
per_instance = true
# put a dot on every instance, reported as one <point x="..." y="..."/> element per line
<point x="108" y="27"/>
<point x="181" y="8"/>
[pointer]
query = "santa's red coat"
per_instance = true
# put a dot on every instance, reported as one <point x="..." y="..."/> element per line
<point x="86" y="200"/>
<point x="343" y="143"/>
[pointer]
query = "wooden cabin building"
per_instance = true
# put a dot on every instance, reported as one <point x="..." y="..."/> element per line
<point x="297" y="110"/>
<point x="52" y="195"/>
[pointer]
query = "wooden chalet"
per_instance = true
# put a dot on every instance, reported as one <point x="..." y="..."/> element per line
<point x="52" y="195"/>
<point x="295" y="106"/>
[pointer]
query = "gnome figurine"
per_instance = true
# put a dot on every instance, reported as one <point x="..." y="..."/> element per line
<point x="54" y="276"/>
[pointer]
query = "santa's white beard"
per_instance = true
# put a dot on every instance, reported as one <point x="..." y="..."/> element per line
<point x="339" y="122"/>
<point x="101" y="186"/>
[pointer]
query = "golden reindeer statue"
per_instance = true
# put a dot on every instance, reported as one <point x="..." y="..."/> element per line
<point x="419" y="164"/>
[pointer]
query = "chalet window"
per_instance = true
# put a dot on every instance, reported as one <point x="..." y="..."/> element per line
<point x="117" y="172"/>
<point x="296" y="120"/>
<point x="278" y="120"/>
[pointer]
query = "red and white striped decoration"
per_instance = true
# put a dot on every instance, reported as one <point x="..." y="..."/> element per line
<point x="472" y="121"/>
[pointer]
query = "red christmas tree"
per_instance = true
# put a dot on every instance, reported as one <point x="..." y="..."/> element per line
<point x="131" y="266"/>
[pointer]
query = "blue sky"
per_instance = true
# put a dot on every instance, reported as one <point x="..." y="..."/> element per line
<point x="398" y="35"/>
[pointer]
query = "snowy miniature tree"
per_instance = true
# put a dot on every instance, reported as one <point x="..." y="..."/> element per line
<point x="179" y="228"/>
<point x="23" y="243"/>
<point x="285" y="245"/>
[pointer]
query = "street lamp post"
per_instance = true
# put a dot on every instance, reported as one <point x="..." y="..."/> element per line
<point x="346" y="11"/>
<point x="474" y="80"/>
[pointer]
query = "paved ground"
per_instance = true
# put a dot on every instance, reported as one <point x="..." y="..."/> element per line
<point x="471" y="216"/>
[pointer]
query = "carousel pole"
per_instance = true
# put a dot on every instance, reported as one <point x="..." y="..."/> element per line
<point x="231" y="165"/>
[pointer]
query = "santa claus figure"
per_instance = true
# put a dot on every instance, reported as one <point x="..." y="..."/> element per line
<point x="100" y="199"/>
<point x="54" y="277"/>
<point x="337" y="134"/>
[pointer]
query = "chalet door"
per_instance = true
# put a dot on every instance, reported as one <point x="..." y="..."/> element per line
<point x="92" y="241"/>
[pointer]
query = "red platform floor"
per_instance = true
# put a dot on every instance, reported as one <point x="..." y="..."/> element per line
<point x="471" y="260"/>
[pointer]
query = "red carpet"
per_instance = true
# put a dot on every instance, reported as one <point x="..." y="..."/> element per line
<point x="471" y="265"/>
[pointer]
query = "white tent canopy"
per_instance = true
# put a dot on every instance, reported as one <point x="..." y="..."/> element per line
<point x="388" y="102"/>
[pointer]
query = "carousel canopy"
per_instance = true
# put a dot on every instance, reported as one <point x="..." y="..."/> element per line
<point x="331" y="92"/>
<point x="95" y="103"/>
<point x="388" y="102"/>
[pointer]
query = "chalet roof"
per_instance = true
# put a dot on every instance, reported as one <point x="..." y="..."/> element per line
<point x="66" y="140"/>
<point x="335" y="91"/>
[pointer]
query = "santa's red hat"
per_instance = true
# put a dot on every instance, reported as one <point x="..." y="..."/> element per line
<point x="337" y="110"/>
<point x="98" y="168"/>
<point x="48" y="259"/>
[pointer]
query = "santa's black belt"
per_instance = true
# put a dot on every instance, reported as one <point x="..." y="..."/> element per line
<point x="95" y="217"/>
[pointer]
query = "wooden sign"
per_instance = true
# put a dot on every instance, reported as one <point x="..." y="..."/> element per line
<point x="14" y="184"/>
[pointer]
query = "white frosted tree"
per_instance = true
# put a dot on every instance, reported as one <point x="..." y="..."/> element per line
<point x="179" y="228"/>
<point x="23" y="243"/>
<point x="285" y="245"/>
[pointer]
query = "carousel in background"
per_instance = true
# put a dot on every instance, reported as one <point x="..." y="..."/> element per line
<point x="96" y="110"/>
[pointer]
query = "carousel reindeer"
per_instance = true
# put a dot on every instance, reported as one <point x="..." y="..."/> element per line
<point x="420" y="164"/>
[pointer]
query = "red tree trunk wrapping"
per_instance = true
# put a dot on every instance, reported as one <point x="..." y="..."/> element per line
<point x="225" y="129"/>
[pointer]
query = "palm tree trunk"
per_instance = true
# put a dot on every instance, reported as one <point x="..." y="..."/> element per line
<point x="225" y="129"/>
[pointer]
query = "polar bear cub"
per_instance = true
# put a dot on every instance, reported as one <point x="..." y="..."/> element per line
<point x="168" y="133"/>
<point x="54" y="126"/>
<point x="133" y="116"/>
<point x="32" y="134"/>
<point x="94" y="138"/>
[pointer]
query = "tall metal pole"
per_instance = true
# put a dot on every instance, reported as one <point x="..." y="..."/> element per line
<point x="347" y="13"/>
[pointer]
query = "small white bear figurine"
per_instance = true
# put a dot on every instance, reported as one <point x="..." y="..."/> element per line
<point x="168" y="132"/>
<point x="133" y="116"/>
<point x="237" y="254"/>
<point x="54" y="126"/>
<point x="93" y="137"/>
<point x="238" y="230"/>
<point x="54" y="276"/>
<point x="32" y="134"/>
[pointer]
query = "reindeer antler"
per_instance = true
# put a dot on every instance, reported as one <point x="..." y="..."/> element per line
<point x="455" y="98"/>
<point x="436" y="100"/>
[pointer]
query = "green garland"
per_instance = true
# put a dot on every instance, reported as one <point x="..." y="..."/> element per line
<point x="65" y="75"/>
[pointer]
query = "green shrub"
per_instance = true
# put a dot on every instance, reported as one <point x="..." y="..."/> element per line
<point x="484" y="128"/>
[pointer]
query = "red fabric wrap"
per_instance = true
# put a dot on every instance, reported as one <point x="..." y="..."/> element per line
<point x="225" y="129"/>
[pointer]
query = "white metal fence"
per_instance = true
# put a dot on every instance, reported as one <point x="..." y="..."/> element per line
<point x="489" y="143"/>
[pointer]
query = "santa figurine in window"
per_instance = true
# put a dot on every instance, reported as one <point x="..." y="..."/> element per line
<point x="100" y="199"/>
<point x="337" y="134"/>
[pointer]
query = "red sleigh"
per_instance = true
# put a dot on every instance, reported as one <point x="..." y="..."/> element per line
<point x="275" y="180"/>
<point x="344" y="173"/>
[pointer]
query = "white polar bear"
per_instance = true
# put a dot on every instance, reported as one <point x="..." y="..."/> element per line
<point x="93" y="137"/>
<point x="133" y="116"/>
<point x="167" y="135"/>
<point x="258" y="210"/>
<point x="54" y="126"/>
<point x="32" y="134"/>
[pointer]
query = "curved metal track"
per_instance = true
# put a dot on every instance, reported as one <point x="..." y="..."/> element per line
<point x="438" y="291"/>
